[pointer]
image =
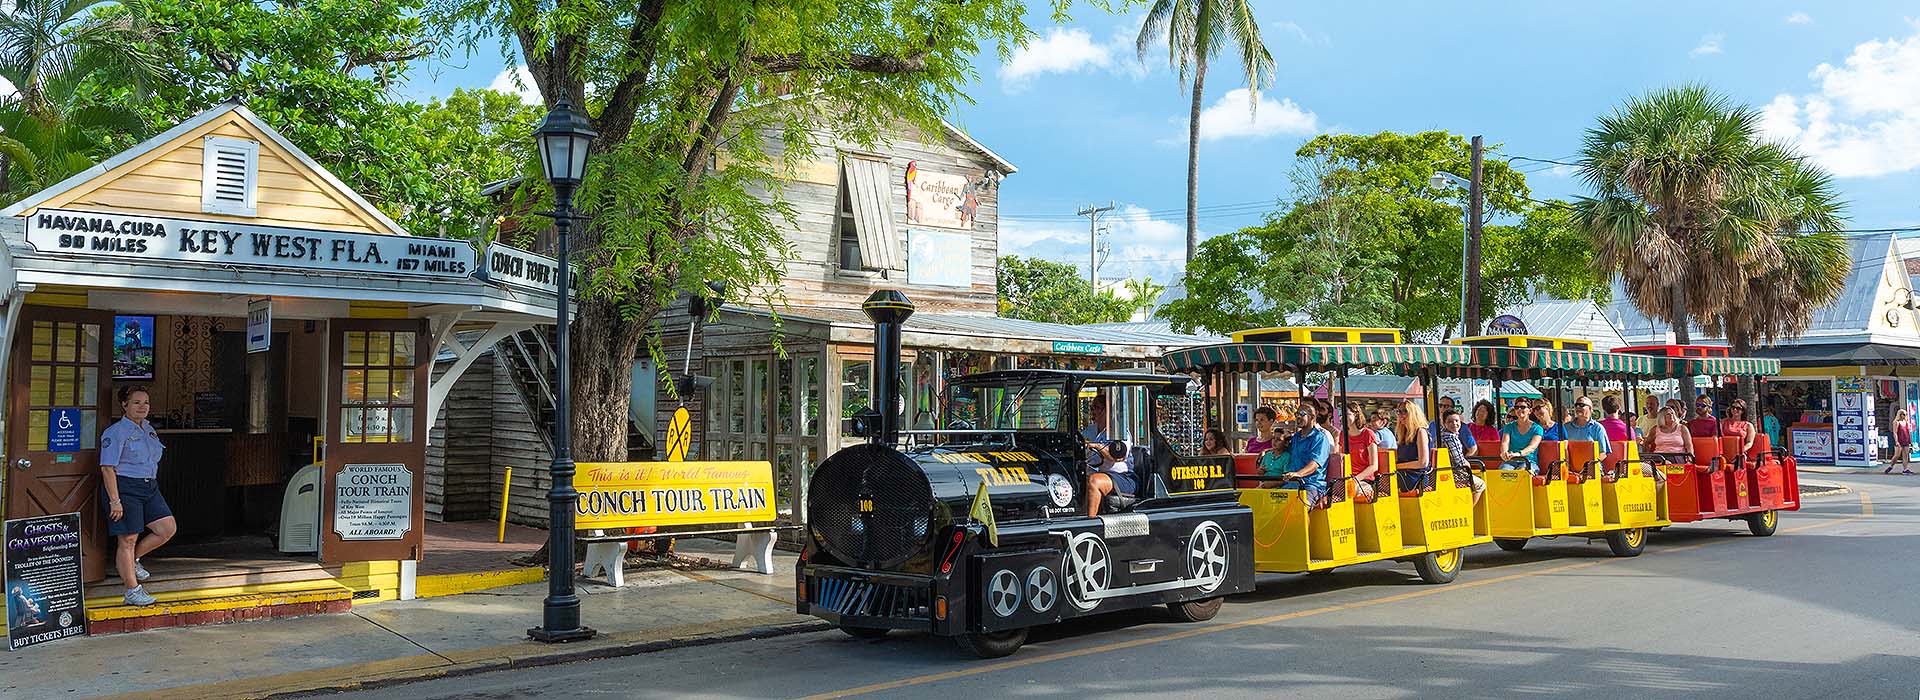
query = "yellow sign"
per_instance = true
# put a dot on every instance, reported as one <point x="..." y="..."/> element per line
<point x="639" y="494"/>
<point x="679" y="435"/>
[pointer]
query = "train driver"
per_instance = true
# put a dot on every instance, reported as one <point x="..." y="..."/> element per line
<point x="1095" y="431"/>
<point x="1114" y="475"/>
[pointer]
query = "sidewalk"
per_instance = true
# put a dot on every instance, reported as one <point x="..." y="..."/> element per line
<point x="408" y="640"/>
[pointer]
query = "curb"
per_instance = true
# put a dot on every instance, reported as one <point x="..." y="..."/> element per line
<point x="392" y="672"/>
<point x="558" y="657"/>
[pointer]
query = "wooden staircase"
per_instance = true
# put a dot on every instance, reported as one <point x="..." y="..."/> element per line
<point x="530" y="358"/>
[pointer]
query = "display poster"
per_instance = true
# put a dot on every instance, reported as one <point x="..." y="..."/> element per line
<point x="1813" y="445"/>
<point x="1242" y="413"/>
<point x="45" y="600"/>
<point x="259" y="325"/>
<point x="939" y="258"/>
<point x="373" y="502"/>
<point x="133" y="347"/>
<point x="1855" y="441"/>
<point x="639" y="494"/>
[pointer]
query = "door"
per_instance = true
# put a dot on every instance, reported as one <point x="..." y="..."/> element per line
<point x="373" y="506"/>
<point x="53" y="460"/>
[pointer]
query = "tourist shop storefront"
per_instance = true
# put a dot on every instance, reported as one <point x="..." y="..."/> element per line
<point x="286" y="330"/>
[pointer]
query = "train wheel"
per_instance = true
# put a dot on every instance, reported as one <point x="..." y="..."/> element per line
<point x="1196" y="610"/>
<point x="865" y="632"/>
<point x="1510" y="545"/>
<point x="992" y="645"/>
<point x="1762" y="524"/>
<point x="1628" y="542"/>
<point x="1439" y="567"/>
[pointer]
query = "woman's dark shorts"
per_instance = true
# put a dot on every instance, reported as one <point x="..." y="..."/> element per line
<point x="1123" y="483"/>
<point x="141" y="503"/>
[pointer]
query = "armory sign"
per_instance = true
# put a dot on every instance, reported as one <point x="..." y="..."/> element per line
<point x="94" y="234"/>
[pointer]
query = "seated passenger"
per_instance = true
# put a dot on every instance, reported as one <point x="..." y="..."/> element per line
<point x="1455" y="438"/>
<point x="1307" y="454"/>
<point x="1543" y="414"/>
<point x="1263" y="439"/>
<point x="1669" y="440"/>
<point x="1214" y="443"/>
<point x="1361" y="441"/>
<point x="1583" y="428"/>
<point x="1520" y="443"/>
<point x="1113" y="476"/>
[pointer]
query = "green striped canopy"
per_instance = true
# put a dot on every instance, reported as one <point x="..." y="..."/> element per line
<point x="1452" y="360"/>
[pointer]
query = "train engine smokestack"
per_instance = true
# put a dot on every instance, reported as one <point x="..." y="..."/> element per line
<point x="888" y="309"/>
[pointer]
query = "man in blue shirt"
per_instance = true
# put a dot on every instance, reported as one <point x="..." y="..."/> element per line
<point x="1583" y="428"/>
<point x="1308" y="454"/>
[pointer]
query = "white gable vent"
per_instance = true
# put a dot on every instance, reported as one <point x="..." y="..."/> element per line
<point x="228" y="175"/>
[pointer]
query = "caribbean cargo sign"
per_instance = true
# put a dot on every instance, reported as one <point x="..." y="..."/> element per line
<point x="44" y="601"/>
<point x="638" y="494"/>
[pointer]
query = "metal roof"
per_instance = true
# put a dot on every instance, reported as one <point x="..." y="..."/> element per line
<point x="966" y="331"/>
<point x="1851" y="314"/>
<point x="1375" y="385"/>
<point x="1578" y="319"/>
<point x="1149" y="331"/>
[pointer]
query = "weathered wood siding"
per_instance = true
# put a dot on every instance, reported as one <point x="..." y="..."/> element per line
<point x="460" y="484"/>
<point x="517" y="444"/>
<point x="813" y="275"/>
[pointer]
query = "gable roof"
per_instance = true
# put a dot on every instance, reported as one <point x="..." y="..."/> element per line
<point x="132" y="158"/>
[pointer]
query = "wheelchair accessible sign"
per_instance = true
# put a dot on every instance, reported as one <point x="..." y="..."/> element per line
<point x="63" y="430"/>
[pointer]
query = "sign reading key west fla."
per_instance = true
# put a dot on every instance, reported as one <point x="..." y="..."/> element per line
<point x="638" y="494"/>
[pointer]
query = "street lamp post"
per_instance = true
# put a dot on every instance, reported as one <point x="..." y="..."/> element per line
<point x="1441" y="180"/>
<point x="563" y="138"/>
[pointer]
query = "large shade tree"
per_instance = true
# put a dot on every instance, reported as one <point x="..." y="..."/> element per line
<point x="701" y="106"/>
<point x="1195" y="32"/>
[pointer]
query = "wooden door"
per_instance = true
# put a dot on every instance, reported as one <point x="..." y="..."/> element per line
<point x="62" y="366"/>
<point x="373" y="504"/>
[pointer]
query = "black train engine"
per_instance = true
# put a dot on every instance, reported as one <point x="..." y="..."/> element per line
<point x="904" y="538"/>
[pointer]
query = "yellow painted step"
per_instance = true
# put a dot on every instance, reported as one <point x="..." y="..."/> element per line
<point x="454" y="584"/>
<point x="184" y="602"/>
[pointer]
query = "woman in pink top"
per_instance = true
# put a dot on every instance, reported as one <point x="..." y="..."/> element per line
<point x="1617" y="430"/>
<point x="1360" y="440"/>
<point x="1736" y="425"/>
<point x="1485" y="427"/>
<point x="1262" y="439"/>
<point x="1669" y="439"/>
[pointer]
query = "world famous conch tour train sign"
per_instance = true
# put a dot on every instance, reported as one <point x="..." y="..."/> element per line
<point x="165" y="239"/>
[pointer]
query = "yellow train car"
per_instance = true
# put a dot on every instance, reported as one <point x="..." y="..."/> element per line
<point x="1579" y="491"/>
<point x="1427" y="527"/>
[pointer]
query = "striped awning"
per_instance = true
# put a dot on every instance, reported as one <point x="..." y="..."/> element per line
<point x="1452" y="360"/>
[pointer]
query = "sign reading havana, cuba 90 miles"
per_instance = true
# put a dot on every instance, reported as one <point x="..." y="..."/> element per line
<point x="96" y="234"/>
<point x="637" y="494"/>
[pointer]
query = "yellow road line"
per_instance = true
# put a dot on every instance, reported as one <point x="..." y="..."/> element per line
<point x="1866" y="504"/>
<point x="1256" y="622"/>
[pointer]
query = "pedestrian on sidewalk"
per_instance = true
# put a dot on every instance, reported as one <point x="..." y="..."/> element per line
<point x="1902" y="443"/>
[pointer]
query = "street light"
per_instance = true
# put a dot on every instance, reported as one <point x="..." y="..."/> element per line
<point x="1440" y="181"/>
<point x="563" y="138"/>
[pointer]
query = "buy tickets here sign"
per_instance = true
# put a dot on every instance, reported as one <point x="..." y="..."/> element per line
<point x="638" y="494"/>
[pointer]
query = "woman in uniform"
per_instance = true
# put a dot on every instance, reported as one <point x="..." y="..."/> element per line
<point x="130" y="470"/>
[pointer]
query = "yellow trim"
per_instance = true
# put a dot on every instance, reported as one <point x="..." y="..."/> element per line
<point x="1823" y="372"/>
<point x="1523" y="341"/>
<point x="377" y="309"/>
<point x="1303" y="335"/>
<point x="66" y="297"/>
<point x="454" y="584"/>
<point x="225" y="598"/>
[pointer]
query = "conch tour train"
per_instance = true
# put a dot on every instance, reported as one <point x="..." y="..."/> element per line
<point x="1049" y="495"/>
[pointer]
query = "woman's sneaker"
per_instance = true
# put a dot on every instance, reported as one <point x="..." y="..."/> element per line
<point x="140" y="573"/>
<point x="138" y="597"/>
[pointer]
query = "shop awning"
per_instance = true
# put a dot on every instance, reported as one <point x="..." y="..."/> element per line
<point x="1842" y="354"/>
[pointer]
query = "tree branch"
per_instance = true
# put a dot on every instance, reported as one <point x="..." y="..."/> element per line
<point x="616" y="120"/>
<point x="787" y="63"/>
<point x="399" y="55"/>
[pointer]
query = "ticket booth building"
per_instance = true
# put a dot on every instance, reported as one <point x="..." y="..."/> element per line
<point x="278" y="319"/>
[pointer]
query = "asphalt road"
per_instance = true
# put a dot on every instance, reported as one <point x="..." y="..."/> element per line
<point x="1824" y="609"/>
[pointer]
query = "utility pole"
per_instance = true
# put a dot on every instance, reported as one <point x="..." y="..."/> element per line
<point x="1093" y="242"/>
<point x="1476" y="203"/>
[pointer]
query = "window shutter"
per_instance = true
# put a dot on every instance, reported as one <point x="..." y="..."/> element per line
<point x="228" y="176"/>
<point x="871" y="188"/>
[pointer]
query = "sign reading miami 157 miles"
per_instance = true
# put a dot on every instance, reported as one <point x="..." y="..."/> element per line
<point x="636" y="494"/>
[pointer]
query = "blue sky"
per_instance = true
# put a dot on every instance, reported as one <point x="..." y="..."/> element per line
<point x="1087" y="122"/>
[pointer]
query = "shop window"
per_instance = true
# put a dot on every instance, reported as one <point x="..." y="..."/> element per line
<point x="845" y="237"/>
<point x="737" y="397"/>
<point x="866" y="239"/>
<point x="376" y="387"/>
<point x="856" y="392"/>
<point x="757" y="398"/>
<point x="783" y="404"/>
<point x="63" y="372"/>
<point x="229" y="169"/>
<point x="809" y="396"/>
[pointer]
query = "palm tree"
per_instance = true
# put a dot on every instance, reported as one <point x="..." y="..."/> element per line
<point x="1196" y="31"/>
<point x="41" y="40"/>
<point x="66" y="134"/>
<point x="1685" y="199"/>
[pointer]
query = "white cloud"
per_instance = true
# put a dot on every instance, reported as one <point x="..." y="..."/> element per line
<point x="1557" y="171"/>
<point x="505" y="82"/>
<point x="7" y="92"/>
<point x="1140" y="245"/>
<point x="1230" y="117"/>
<point x="1865" y="118"/>
<point x="1709" y="44"/>
<point x="1060" y="51"/>
<point x="1799" y="18"/>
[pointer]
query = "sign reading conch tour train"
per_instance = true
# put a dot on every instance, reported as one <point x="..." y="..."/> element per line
<point x="637" y="494"/>
<point x="97" y="234"/>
